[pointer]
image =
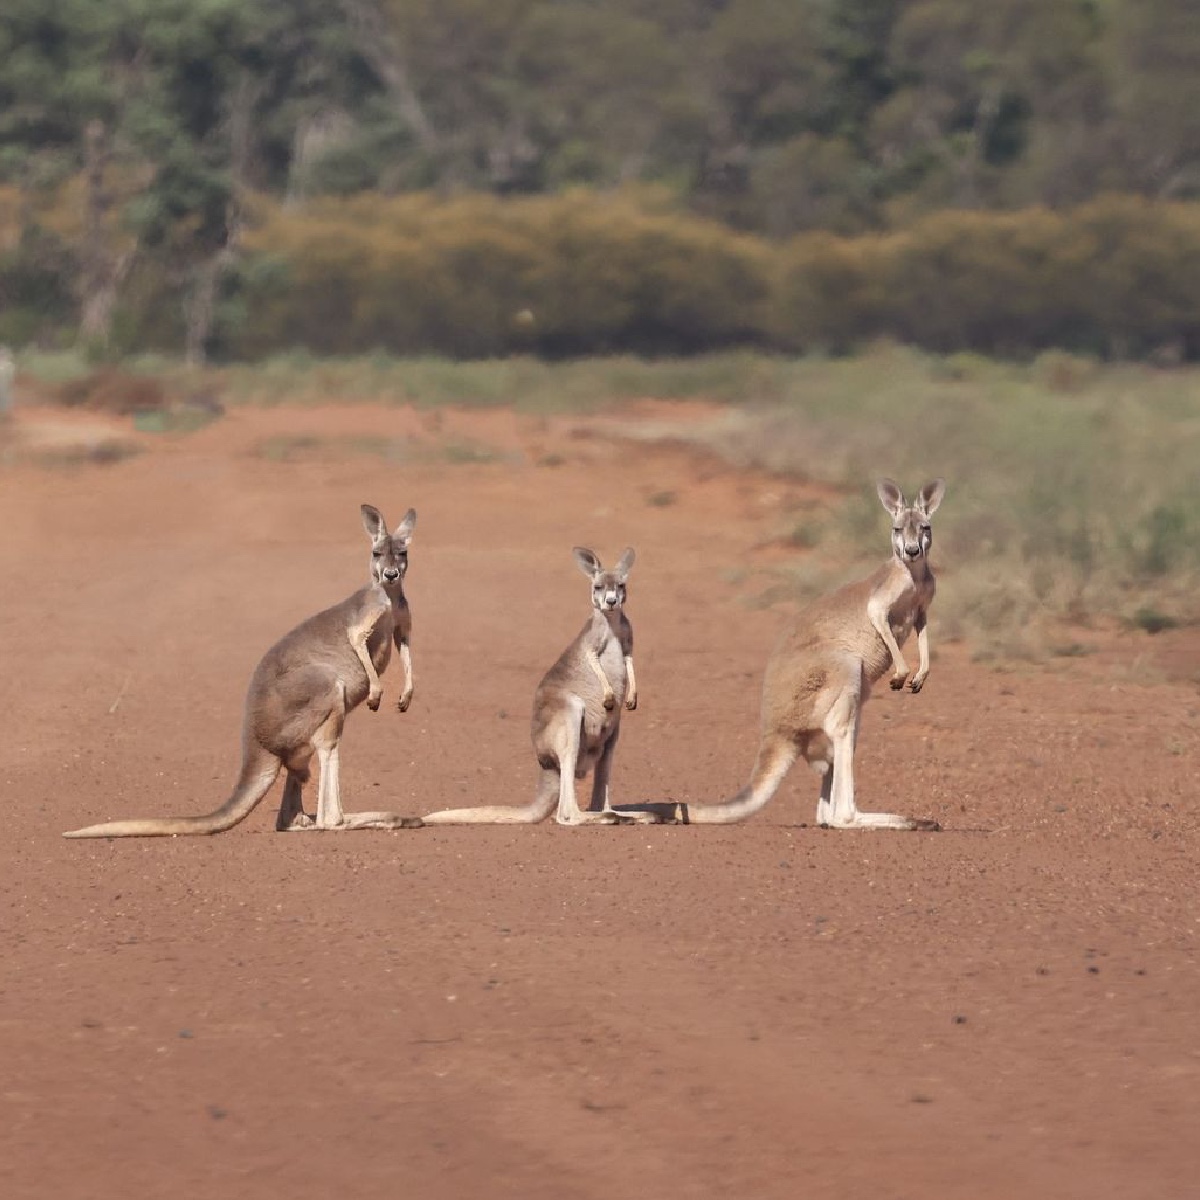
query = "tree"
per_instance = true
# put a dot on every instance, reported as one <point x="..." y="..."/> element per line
<point x="1156" y="49"/>
<point x="69" y="73"/>
<point x="995" y="102"/>
<point x="170" y="112"/>
<point x="603" y="95"/>
<point x="765" y="76"/>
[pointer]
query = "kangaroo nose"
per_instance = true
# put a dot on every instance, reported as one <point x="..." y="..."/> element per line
<point x="912" y="551"/>
<point x="391" y="574"/>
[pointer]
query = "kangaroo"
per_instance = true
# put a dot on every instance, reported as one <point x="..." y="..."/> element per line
<point x="300" y="694"/>
<point x="577" y="714"/>
<point x="820" y="675"/>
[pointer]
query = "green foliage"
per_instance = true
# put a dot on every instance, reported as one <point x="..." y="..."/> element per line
<point x="926" y="169"/>
<point x="35" y="295"/>
<point x="1150" y="620"/>
<point x="53" y="78"/>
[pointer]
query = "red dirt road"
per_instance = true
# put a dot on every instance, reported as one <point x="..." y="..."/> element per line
<point x="1008" y="1008"/>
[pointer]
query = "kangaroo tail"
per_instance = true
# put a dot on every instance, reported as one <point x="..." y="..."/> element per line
<point x="494" y="814"/>
<point x="775" y="758"/>
<point x="539" y="809"/>
<point x="259" y="769"/>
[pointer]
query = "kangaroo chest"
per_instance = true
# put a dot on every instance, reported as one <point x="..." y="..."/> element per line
<point x="905" y="599"/>
<point x="612" y="660"/>
<point x="599" y="722"/>
<point x="379" y="644"/>
<point x="906" y="596"/>
<point x="903" y="614"/>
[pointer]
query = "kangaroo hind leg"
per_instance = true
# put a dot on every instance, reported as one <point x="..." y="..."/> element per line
<point x="291" y="807"/>
<point x="569" y="738"/>
<point x="601" y="795"/>
<point x="841" y="726"/>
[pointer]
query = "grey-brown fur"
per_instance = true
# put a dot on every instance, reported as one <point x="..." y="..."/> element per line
<point x="300" y="694"/>
<point x="577" y="714"/>
<point x="820" y="675"/>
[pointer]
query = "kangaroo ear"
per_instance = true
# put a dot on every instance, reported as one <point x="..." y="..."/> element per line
<point x="931" y="496"/>
<point x="624" y="564"/>
<point x="373" y="522"/>
<point x="588" y="563"/>
<point x="405" y="528"/>
<point x="890" y="496"/>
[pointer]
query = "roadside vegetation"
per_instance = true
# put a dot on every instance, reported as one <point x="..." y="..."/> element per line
<point x="1074" y="491"/>
<point x="1073" y="498"/>
<point x="589" y="274"/>
<point x="232" y="179"/>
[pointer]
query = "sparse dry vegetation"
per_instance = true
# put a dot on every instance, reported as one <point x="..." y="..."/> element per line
<point x="1074" y="492"/>
<point x="453" y="451"/>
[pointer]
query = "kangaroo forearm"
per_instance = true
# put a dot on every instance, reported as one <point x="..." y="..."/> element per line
<point x="593" y="661"/>
<point x="364" y="656"/>
<point x="889" y="640"/>
<point x="923" y="649"/>
<point x="406" y="662"/>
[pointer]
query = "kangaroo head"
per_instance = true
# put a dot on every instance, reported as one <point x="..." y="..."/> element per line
<point x="389" y="551"/>
<point x="912" y="535"/>
<point x="608" y="587"/>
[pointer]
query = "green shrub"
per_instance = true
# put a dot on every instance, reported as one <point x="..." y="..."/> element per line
<point x="35" y="287"/>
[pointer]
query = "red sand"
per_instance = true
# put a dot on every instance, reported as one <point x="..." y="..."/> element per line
<point x="1008" y="1008"/>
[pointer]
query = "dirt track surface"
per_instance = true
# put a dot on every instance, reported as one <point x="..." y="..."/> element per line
<point x="1008" y="1008"/>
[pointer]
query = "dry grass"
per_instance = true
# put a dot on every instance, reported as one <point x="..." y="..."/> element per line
<point x="453" y="451"/>
<point x="1074" y="486"/>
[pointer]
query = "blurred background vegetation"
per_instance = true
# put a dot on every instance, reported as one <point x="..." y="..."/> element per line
<point x="563" y="177"/>
<point x="896" y="236"/>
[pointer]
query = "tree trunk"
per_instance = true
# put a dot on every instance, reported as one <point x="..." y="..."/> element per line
<point x="103" y="268"/>
<point x="970" y="192"/>
<point x="200" y="307"/>
<point x="8" y="373"/>
<point x="377" y="44"/>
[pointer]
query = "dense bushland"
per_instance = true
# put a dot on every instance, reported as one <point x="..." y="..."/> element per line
<point x="138" y="136"/>
<point x="586" y="273"/>
<point x="591" y="274"/>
